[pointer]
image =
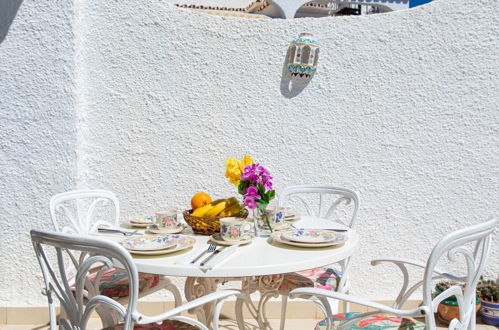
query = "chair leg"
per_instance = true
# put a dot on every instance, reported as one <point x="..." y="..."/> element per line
<point x="284" y="303"/>
<point x="472" y="325"/>
<point x="346" y="306"/>
<point x="239" y="313"/>
<point x="53" y="316"/>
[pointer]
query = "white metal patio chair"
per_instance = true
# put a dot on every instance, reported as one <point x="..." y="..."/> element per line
<point x="83" y="212"/>
<point x="472" y="244"/>
<point x="327" y="199"/>
<point x="81" y="298"/>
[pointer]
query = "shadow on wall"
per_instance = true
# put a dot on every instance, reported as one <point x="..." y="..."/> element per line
<point x="8" y="11"/>
<point x="291" y="86"/>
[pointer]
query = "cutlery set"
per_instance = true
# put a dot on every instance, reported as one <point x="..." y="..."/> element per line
<point x="212" y="249"/>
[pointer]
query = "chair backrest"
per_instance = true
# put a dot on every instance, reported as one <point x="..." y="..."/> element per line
<point x="75" y="211"/>
<point x="473" y="245"/>
<point x="329" y="198"/>
<point x="81" y="297"/>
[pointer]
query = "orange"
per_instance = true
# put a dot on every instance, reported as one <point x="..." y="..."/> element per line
<point x="200" y="199"/>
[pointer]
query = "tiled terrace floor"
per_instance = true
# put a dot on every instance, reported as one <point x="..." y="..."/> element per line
<point x="291" y="324"/>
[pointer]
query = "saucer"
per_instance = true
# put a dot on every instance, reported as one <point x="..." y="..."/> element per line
<point x="279" y="226"/>
<point x="156" y="230"/>
<point x="142" y="220"/>
<point x="137" y="225"/>
<point x="216" y="238"/>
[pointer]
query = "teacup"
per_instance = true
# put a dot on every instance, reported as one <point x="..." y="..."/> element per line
<point x="234" y="229"/>
<point x="275" y="215"/>
<point x="167" y="219"/>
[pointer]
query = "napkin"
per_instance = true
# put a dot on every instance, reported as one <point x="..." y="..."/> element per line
<point x="219" y="258"/>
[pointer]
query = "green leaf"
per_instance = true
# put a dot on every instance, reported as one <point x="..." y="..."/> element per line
<point x="272" y="194"/>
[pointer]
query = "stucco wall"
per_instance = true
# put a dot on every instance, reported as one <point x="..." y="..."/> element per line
<point x="37" y="134"/>
<point x="403" y="109"/>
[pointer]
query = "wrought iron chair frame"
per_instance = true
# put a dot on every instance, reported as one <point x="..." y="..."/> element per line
<point x="452" y="245"/>
<point x="109" y="254"/>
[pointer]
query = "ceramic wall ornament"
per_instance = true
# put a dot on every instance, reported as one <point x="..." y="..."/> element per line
<point x="303" y="56"/>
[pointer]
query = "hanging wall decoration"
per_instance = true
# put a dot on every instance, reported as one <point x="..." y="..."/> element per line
<point x="303" y="56"/>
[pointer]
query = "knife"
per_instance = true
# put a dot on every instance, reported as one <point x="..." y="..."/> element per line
<point x="332" y="229"/>
<point x="211" y="256"/>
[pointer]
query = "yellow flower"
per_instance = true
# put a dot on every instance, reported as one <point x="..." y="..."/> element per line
<point x="234" y="168"/>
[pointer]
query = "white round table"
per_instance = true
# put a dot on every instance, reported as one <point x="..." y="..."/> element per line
<point x="249" y="263"/>
<point x="260" y="257"/>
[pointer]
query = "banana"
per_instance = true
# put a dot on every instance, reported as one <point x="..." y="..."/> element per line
<point x="202" y="211"/>
<point x="217" y="209"/>
<point x="231" y="210"/>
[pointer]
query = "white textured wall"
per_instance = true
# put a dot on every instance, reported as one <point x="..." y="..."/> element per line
<point x="403" y="109"/>
<point x="37" y="135"/>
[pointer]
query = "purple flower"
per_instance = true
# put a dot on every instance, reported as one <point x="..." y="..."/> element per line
<point x="250" y="203"/>
<point x="251" y="191"/>
<point x="262" y="170"/>
<point x="267" y="183"/>
<point x="249" y="176"/>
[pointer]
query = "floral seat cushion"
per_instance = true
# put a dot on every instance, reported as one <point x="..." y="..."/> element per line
<point x="373" y="322"/>
<point x="114" y="283"/>
<point x="166" y="325"/>
<point x="323" y="278"/>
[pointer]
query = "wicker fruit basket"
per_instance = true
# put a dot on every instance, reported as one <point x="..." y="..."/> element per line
<point x="207" y="225"/>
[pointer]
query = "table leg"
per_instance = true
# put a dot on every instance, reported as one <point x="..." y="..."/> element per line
<point x="268" y="286"/>
<point x="196" y="287"/>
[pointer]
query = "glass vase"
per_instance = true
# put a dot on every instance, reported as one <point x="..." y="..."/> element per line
<point x="261" y="222"/>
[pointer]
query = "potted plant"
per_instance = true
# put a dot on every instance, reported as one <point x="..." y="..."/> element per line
<point x="449" y="308"/>
<point x="488" y="290"/>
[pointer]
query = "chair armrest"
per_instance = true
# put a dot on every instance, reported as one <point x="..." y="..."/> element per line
<point x="356" y="300"/>
<point x="399" y="261"/>
<point x="219" y="295"/>
<point x="452" y="291"/>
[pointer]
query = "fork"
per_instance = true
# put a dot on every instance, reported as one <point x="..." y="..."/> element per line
<point x="211" y="248"/>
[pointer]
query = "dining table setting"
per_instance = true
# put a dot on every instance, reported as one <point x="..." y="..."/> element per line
<point x="232" y="239"/>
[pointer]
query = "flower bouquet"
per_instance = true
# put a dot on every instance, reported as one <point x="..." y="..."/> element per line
<point x="254" y="183"/>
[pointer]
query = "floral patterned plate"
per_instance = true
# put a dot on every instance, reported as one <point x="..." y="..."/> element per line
<point x="340" y="239"/>
<point x="149" y="243"/>
<point x="155" y="230"/>
<point x="182" y="242"/>
<point x="309" y="235"/>
<point x="216" y="238"/>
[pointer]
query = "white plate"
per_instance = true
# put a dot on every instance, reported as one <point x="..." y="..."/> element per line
<point x="303" y="235"/>
<point x="183" y="242"/>
<point x="216" y="238"/>
<point x="341" y="238"/>
<point x="149" y="243"/>
<point x="175" y="230"/>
